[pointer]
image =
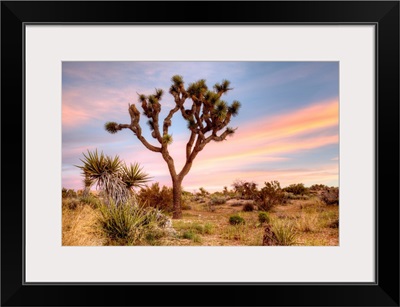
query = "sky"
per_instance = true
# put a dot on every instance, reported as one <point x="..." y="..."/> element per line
<point x="287" y="126"/>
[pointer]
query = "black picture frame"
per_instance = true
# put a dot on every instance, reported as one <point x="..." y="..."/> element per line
<point x="383" y="14"/>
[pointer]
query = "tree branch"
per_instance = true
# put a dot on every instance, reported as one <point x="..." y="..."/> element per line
<point x="189" y="144"/>
<point x="157" y="127"/>
<point x="168" y="119"/>
<point x="223" y="136"/>
<point x="137" y="130"/>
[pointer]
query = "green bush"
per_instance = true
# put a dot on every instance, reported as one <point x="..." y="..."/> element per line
<point x="217" y="200"/>
<point x="263" y="217"/>
<point x="290" y="196"/>
<point x="153" y="237"/>
<point x="208" y="228"/>
<point x="236" y="220"/>
<point x="190" y="235"/>
<point x="297" y="189"/>
<point x="248" y="207"/>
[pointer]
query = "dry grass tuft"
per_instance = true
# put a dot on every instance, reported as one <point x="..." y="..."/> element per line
<point x="80" y="226"/>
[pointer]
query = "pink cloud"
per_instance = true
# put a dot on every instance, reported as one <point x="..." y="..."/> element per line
<point x="266" y="140"/>
<point x="270" y="139"/>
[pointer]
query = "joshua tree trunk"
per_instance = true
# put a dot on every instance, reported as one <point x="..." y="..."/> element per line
<point x="176" y="183"/>
<point x="177" y="198"/>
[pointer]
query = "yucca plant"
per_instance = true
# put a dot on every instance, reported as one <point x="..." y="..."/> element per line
<point x="284" y="233"/>
<point x="111" y="175"/>
<point x="134" y="176"/>
<point x="127" y="224"/>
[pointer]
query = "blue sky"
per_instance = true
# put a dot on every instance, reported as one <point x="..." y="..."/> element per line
<point x="287" y="125"/>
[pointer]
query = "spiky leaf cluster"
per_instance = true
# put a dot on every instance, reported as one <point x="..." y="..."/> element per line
<point x="134" y="176"/>
<point x="177" y="80"/>
<point x="111" y="127"/>
<point x="209" y="113"/>
<point x="234" y="108"/>
<point x="151" y="104"/>
<point x="220" y="110"/>
<point x="167" y="138"/>
<point x="222" y="87"/>
<point x="197" y="89"/>
<point x="111" y="175"/>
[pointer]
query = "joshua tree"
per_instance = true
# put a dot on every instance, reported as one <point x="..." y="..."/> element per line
<point x="206" y="116"/>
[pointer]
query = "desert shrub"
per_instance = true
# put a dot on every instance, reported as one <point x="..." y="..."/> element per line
<point x="290" y="196"/>
<point x="248" y="207"/>
<point x="297" y="189"/>
<point x="209" y="207"/>
<point x="187" y="197"/>
<point x="236" y="220"/>
<point x="153" y="237"/>
<point x="198" y="198"/>
<point x="156" y="197"/>
<point x="330" y="196"/>
<point x="186" y="206"/>
<point x="225" y="191"/>
<point x="208" y="228"/>
<point x="245" y="189"/>
<point x="203" y="192"/>
<point x="187" y="194"/>
<point x="237" y="204"/>
<point x="318" y="187"/>
<point x="217" y="200"/>
<point x="68" y="193"/>
<point x="270" y="195"/>
<point x="191" y="235"/>
<point x="263" y="217"/>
